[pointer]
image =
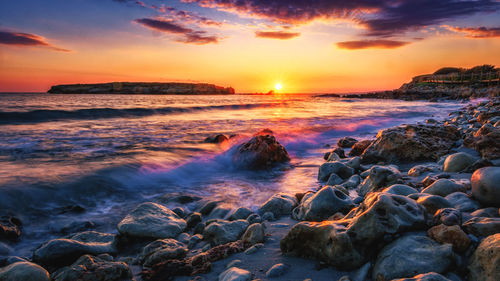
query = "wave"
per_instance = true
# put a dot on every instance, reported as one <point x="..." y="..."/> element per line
<point x="44" y="115"/>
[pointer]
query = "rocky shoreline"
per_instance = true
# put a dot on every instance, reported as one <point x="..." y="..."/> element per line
<point x="418" y="202"/>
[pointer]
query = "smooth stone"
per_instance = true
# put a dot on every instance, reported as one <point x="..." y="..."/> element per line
<point x="354" y="162"/>
<point x="162" y="250"/>
<point x="378" y="177"/>
<point x="235" y="274"/>
<point x="323" y="204"/>
<point x="334" y="179"/>
<point x="280" y="204"/>
<point x="219" y="212"/>
<point x="254" y="218"/>
<point x="208" y="207"/>
<point x="268" y="216"/>
<point x="432" y="203"/>
<point x="490" y="212"/>
<point x="411" y="255"/>
<point x="484" y="264"/>
<point x="482" y="226"/>
<point x="151" y="220"/>
<point x="193" y="219"/>
<point x="419" y="170"/>
<point x="194" y="240"/>
<point x="462" y="202"/>
<point x="179" y="211"/>
<point x="359" y="147"/>
<point x="241" y="213"/>
<point x="458" y="162"/>
<point x="400" y="189"/>
<point x="352" y="182"/>
<point x="276" y="270"/>
<point x="234" y="263"/>
<point x="486" y="187"/>
<point x="93" y="268"/>
<point x="453" y="235"/>
<point x="184" y="237"/>
<point x="221" y="232"/>
<point x="443" y="187"/>
<point x="253" y="235"/>
<point x="339" y="168"/>
<point x="24" y="271"/>
<point x="253" y="249"/>
<point x="447" y="216"/>
<point x="346" y="142"/>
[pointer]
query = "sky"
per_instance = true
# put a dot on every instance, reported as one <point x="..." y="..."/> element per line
<point x="314" y="46"/>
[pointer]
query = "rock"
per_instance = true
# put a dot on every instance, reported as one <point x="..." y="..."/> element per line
<point x="220" y="138"/>
<point x="354" y="162"/>
<point x="261" y="152"/>
<point x="486" y="187"/>
<point x="486" y="213"/>
<point x="378" y="177"/>
<point x="10" y="228"/>
<point x="359" y="147"/>
<point x="5" y="250"/>
<point x="253" y="235"/>
<point x="346" y="142"/>
<point x="24" y="271"/>
<point x="431" y="276"/>
<point x="61" y="252"/>
<point x="400" y="189"/>
<point x="462" y="202"/>
<point x="254" y="248"/>
<point x="352" y="182"/>
<point x="481" y="163"/>
<point x="276" y="270"/>
<point x="280" y="204"/>
<point x="235" y="274"/>
<point x="485" y="262"/>
<point x="458" y="162"/>
<point x="208" y="207"/>
<point x="432" y="203"/>
<point x="221" y="232"/>
<point x="193" y="219"/>
<point x="234" y="263"/>
<point x="411" y="255"/>
<point x="339" y="151"/>
<point x="482" y="226"/>
<point x="419" y="170"/>
<point x="254" y="218"/>
<point x="334" y="179"/>
<point x="323" y="204"/>
<point x="447" y="216"/>
<point x="219" y="212"/>
<point x="93" y="268"/>
<point x="179" y="211"/>
<point x="268" y="216"/>
<point x="485" y="140"/>
<point x="443" y="187"/>
<point x="410" y="143"/>
<point x="194" y="240"/>
<point x="453" y="235"/>
<point x="162" y="250"/>
<point x="338" y="168"/>
<point x="241" y="213"/>
<point x="151" y="220"/>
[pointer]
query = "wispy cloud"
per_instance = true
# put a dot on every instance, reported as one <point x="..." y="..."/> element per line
<point x="283" y="35"/>
<point x="476" y="32"/>
<point x="188" y="35"/>
<point x="375" y="44"/>
<point x="26" y="40"/>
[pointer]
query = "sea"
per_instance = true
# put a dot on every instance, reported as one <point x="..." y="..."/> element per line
<point x="77" y="162"/>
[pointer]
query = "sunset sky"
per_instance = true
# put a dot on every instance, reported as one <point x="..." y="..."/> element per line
<point x="308" y="46"/>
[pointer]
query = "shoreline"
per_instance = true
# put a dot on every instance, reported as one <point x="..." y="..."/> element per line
<point x="216" y="230"/>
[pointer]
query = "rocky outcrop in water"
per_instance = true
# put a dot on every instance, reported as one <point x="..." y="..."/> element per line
<point x="142" y="88"/>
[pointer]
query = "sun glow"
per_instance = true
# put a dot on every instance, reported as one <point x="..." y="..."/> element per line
<point x="278" y="86"/>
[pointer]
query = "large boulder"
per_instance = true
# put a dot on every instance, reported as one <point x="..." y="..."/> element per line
<point x="89" y="268"/>
<point x="485" y="262"/>
<point x="151" y="220"/>
<point x="280" y="204"/>
<point x="261" y="152"/>
<point x="162" y="250"/>
<point x="222" y="231"/>
<point x="24" y="271"/>
<point x="486" y="186"/>
<point x="458" y="162"/>
<point x="61" y="252"/>
<point x="443" y="187"/>
<point x="323" y="204"/>
<point x="378" y="177"/>
<point x="482" y="226"/>
<point x="338" y="168"/>
<point x="411" y="255"/>
<point x="411" y="143"/>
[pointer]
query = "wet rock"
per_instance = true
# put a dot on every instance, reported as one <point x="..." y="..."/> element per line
<point x="359" y="147"/>
<point x="490" y="212"/>
<point x="234" y="263"/>
<point x="179" y="211"/>
<point x="485" y="140"/>
<point x="411" y="255"/>
<point x="208" y="207"/>
<point x="447" y="216"/>
<point x="340" y="152"/>
<point x="486" y="187"/>
<point x="151" y="220"/>
<point x="482" y="226"/>
<point x="411" y="143"/>
<point x="352" y="182"/>
<point x="485" y="262"/>
<point x="254" y="218"/>
<point x="24" y="271"/>
<point x="378" y="177"/>
<point x="235" y="274"/>
<point x="334" y="179"/>
<point x="280" y="204"/>
<point x="462" y="202"/>
<point x="268" y="216"/>
<point x="193" y="219"/>
<point x="60" y="252"/>
<point x="323" y="204"/>
<point x="254" y="248"/>
<point x="431" y="276"/>
<point x="219" y="212"/>
<point x="221" y="232"/>
<point x="254" y="234"/>
<point x="5" y="250"/>
<point x="10" y="228"/>
<point x="261" y="152"/>
<point x="419" y="170"/>
<point x="453" y="235"/>
<point x="443" y="187"/>
<point x="346" y="142"/>
<point x="220" y="138"/>
<point x="458" y="162"/>
<point x="88" y="268"/>
<point x="400" y="189"/>
<point x="241" y="213"/>
<point x="193" y="240"/>
<point x="432" y="203"/>
<point x="276" y="270"/>
<point x="162" y="250"/>
<point x="481" y="163"/>
<point x="338" y="168"/>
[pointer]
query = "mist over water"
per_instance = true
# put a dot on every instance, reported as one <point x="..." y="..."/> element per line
<point x="107" y="153"/>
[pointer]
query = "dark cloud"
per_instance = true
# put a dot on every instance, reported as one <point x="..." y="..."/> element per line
<point x="477" y="32"/>
<point x="376" y="44"/>
<point x="26" y="39"/>
<point x="283" y="35"/>
<point x="188" y="35"/>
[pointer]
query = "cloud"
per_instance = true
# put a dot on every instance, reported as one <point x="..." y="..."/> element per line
<point x="476" y="32"/>
<point x="188" y="35"/>
<point x="283" y="35"/>
<point x="26" y="39"/>
<point x="365" y="44"/>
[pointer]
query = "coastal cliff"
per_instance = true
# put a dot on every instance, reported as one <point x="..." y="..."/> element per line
<point x="142" y="88"/>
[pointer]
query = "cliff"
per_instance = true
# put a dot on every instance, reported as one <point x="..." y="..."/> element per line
<point x="142" y="88"/>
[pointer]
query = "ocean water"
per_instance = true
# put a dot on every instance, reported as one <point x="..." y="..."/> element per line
<point x="107" y="153"/>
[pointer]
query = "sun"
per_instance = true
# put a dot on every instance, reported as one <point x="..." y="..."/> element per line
<point x="278" y="86"/>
